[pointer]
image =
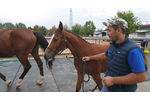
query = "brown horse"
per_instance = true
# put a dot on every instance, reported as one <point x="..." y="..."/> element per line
<point x="20" y="42"/>
<point x="79" y="48"/>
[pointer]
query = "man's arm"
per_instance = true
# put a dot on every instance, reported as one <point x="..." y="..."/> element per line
<point x="94" y="57"/>
<point x="131" y="78"/>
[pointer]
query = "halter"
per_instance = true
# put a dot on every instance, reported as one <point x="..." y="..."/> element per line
<point x="60" y="44"/>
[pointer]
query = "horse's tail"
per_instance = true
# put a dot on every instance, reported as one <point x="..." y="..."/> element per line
<point x="41" y="40"/>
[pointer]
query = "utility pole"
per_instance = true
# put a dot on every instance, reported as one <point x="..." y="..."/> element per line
<point x="70" y="19"/>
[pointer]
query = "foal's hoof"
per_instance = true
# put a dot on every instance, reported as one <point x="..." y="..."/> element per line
<point x="8" y="82"/>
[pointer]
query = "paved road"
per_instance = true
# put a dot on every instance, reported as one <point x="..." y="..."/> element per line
<point x="62" y="78"/>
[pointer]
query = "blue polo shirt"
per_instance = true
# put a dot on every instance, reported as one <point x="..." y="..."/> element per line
<point x="135" y="60"/>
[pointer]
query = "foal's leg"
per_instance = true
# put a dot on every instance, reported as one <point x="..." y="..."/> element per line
<point x="79" y="82"/>
<point x="27" y="66"/>
<point x="5" y="79"/>
<point x="39" y="63"/>
<point x="97" y="78"/>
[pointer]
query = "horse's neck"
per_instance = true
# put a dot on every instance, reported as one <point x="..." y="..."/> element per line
<point x="76" y="45"/>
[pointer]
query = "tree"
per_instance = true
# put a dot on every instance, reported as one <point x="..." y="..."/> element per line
<point x="133" y="22"/>
<point x="89" y="28"/>
<point x="20" y="25"/>
<point x="76" y="28"/>
<point x="100" y="30"/>
<point x="36" y="28"/>
<point x="1" y="26"/>
<point x="82" y="31"/>
<point x="65" y="27"/>
<point x="8" y="25"/>
<point x="30" y="28"/>
<point x="52" y="30"/>
<point x="43" y="30"/>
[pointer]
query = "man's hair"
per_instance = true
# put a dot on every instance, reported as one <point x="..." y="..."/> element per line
<point x="116" y="27"/>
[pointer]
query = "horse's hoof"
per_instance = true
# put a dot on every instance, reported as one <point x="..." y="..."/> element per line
<point x="19" y="83"/>
<point x="38" y="83"/>
<point x="8" y="82"/>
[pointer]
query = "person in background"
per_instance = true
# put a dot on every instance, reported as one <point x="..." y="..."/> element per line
<point x="143" y="44"/>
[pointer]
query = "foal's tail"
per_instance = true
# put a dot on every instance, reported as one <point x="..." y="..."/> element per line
<point x="41" y="40"/>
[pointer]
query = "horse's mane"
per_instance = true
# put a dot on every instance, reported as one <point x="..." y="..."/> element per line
<point x="79" y="37"/>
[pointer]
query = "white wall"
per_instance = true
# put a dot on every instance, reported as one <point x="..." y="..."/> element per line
<point x="148" y="35"/>
<point x="133" y="35"/>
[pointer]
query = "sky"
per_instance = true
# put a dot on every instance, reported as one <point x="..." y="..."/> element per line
<point x="49" y="12"/>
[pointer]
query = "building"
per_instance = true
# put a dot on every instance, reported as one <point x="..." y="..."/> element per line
<point x="100" y="34"/>
<point x="143" y="32"/>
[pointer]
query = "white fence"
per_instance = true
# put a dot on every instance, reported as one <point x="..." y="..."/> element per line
<point x="137" y="40"/>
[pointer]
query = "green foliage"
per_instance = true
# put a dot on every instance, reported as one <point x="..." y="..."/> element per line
<point x="20" y="25"/>
<point x="52" y="30"/>
<point x="82" y="31"/>
<point x="133" y="22"/>
<point x="30" y="28"/>
<point x="40" y="29"/>
<point x="43" y="30"/>
<point x="36" y="28"/>
<point x="65" y="27"/>
<point x="89" y="28"/>
<point x="76" y="28"/>
<point x="1" y="26"/>
<point x="100" y="30"/>
<point x="8" y="25"/>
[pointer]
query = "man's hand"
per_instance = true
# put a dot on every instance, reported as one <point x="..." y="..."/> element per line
<point x="86" y="58"/>
<point x="108" y="81"/>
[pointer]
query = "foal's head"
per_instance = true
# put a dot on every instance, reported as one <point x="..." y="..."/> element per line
<point x="56" y="44"/>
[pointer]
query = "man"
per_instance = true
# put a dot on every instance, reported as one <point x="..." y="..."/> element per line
<point x="143" y="44"/>
<point x="125" y="65"/>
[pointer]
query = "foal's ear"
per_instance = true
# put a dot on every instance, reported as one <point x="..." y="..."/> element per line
<point x="61" y="26"/>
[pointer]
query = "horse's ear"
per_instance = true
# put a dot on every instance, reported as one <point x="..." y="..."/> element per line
<point x="61" y="26"/>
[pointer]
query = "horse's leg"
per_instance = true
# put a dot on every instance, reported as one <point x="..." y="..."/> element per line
<point x="39" y="63"/>
<point x="5" y="79"/>
<point x="79" y="82"/>
<point x="97" y="78"/>
<point x="24" y="61"/>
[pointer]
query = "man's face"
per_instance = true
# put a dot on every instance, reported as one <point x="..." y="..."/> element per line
<point x="113" y="35"/>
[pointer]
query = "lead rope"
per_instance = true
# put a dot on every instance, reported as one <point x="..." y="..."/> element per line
<point x="83" y="71"/>
<point x="53" y="76"/>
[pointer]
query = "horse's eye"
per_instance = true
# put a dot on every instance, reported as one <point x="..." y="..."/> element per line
<point x="55" y="40"/>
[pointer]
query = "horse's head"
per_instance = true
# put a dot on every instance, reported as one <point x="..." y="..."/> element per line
<point x="56" y="44"/>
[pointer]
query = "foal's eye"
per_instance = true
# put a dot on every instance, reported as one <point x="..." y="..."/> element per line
<point x="55" y="40"/>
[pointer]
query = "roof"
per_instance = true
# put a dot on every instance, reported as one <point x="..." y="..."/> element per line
<point x="96" y="33"/>
<point x="145" y="26"/>
<point x="141" y="31"/>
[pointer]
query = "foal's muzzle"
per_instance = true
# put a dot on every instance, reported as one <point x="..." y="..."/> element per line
<point x="49" y="60"/>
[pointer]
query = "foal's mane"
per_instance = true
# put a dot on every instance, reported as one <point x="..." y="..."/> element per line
<point x="79" y="37"/>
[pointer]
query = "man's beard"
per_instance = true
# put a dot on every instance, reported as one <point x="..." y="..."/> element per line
<point x="115" y="38"/>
